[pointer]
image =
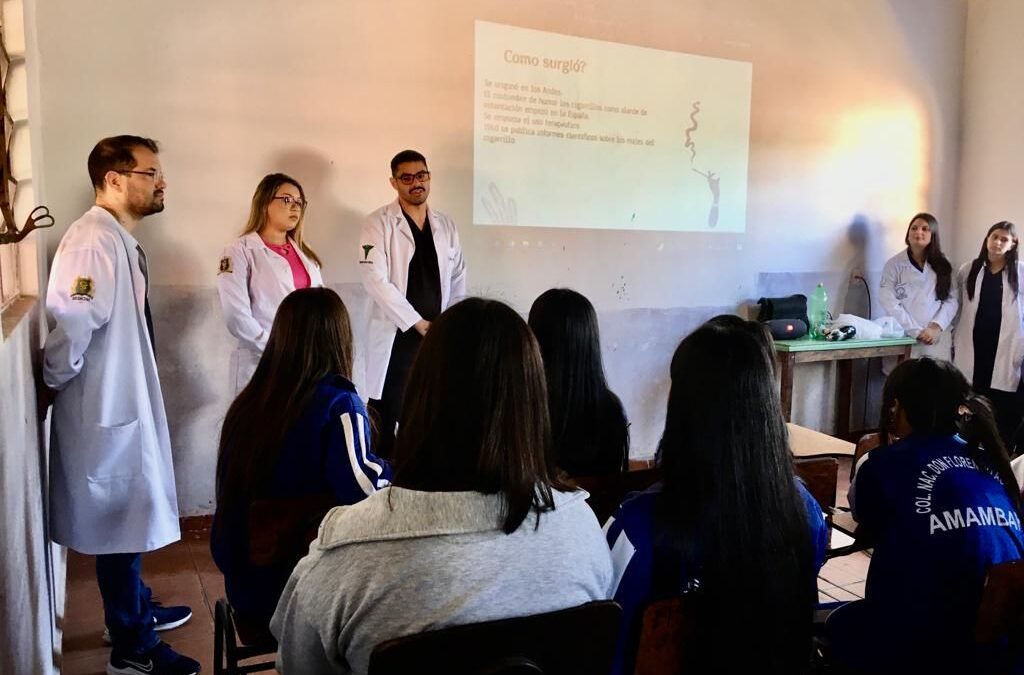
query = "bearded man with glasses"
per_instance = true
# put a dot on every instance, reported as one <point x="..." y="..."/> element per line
<point x="112" y="491"/>
<point x="412" y="268"/>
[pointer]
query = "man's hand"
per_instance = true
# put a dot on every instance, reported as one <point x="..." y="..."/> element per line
<point x="929" y="335"/>
<point x="422" y="326"/>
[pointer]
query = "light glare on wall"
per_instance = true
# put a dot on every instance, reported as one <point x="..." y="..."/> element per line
<point x="878" y="162"/>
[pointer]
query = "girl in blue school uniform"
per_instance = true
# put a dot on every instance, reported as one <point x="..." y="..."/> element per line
<point x="940" y="504"/>
<point x="729" y="524"/>
<point x="294" y="443"/>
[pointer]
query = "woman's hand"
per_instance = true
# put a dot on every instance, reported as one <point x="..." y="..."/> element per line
<point x="930" y="334"/>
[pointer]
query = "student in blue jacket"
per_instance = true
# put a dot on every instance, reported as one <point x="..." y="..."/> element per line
<point x="940" y="504"/>
<point x="729" y="523"/>
<point x="295" y="442"/>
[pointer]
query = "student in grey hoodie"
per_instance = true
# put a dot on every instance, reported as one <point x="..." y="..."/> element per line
<point x="475" y="527"/>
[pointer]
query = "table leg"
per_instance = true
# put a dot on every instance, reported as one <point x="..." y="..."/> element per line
<point x="844" y="386"/>
<point x="786" y="362"/>
<point x="904" y="356"/>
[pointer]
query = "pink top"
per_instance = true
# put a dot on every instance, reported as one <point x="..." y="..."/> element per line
<point x="287" y="251"/>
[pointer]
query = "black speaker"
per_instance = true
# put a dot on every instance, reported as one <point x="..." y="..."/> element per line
<point x="787" y="329"/>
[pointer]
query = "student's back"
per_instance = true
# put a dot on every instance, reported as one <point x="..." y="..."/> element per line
<point x="935" y="507"/>
<point x="940" y="520"/>
<point x="406" y="561"/>
<point x="729" y="524"/>
<point x="294" y="444"/>
<point x="588" y="423"/>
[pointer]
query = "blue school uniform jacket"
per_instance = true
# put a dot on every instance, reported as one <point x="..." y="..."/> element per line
<point x="326" y="451"/>
<point x="939" y="519"/>
<point x="631" y="535"/>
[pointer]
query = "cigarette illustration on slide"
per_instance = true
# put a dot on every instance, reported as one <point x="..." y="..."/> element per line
<point x="711" y="177"/>
<point x="502" y="210"/>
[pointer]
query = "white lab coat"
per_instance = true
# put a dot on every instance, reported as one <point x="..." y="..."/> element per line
<point x="252" y="281"/>
<point x="1010" y="351"/>
<point x="111" y="473"/>
<point x="908" y="295"/>
<point x="386" y="247"/>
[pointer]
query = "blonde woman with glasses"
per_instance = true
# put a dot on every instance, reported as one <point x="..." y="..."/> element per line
<point x="265" y="264"/>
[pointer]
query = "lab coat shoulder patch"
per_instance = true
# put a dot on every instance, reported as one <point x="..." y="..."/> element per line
<point x="83" y="289"/>
<point x="366" y="253"/>
<point x="225" y="266"/>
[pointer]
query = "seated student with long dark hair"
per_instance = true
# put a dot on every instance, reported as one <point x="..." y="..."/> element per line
<point x="589" y="426"/>
<point x="475" y="526"/>
<point x="296" y="441"/>
<point x="939" y="501"/>
<point x="729" y="523"/>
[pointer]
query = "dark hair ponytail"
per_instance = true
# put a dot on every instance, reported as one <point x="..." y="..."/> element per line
<point x="936" y="399"/>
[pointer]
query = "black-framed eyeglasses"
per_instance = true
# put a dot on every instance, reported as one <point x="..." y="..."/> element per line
<point x="290" y="201"/>
<point x="409" y="178"/>
<point x="152" y="173"/>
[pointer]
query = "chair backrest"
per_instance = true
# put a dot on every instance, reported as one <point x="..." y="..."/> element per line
<point x="1001" y="613"/>
<point x="665" y="633"/>
<point x="867" y="443"/>
<point x="579" y="640"/>
<point x="821" y="476"/>
<point x="607" y="491"/>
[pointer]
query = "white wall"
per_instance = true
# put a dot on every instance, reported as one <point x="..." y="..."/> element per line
<point x="854" y="126"/>
<point x="993" y="139"/>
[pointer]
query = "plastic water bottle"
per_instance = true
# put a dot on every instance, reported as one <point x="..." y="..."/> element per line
<point x="817" y="312"/>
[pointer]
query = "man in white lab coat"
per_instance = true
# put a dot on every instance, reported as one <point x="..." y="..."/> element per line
<point x="112" y="491"/>
<point x="412" y="268"/>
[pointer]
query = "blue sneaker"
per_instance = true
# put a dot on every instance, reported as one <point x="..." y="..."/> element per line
<point x="164" y="618"/>
<point x="160" y="660"/>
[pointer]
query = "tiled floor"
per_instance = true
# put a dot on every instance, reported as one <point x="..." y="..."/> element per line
<point x="184" y="573"/>
<point x="180" y="574"/>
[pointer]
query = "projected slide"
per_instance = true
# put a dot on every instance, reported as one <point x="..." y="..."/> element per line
<point x="573" y="132"/>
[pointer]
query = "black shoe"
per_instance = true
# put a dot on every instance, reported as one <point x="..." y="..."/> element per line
<point x="164" y="618"/>
<point x="160" y="660"/>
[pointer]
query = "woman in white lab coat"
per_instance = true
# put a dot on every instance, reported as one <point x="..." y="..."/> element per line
<point x="989" y="337"/>
<point x="257" y="271"/>
<point x="917" y="289"/>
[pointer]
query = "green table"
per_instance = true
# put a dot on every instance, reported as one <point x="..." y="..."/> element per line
<point x="805" y="350"/>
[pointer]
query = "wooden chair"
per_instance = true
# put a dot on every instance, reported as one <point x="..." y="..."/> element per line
<point x="580" y="640"/>
<point x="1000" y="621"/>
<point x="227" y="651"/>
<point x="821" y="476"/>
<point x="666" y="630"/>
<point x="609" y="490"/>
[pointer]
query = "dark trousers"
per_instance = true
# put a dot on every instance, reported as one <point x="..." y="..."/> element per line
<point x="126" y="599"/>
<point x="388" y="409"/>
<point x="1006" y="407"/>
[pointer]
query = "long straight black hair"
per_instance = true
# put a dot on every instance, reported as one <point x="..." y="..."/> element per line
<point x="982" y="259"/>
<point x="475" y="412"/>
<point x="588" y="424"/>
<point x="937" y="399"/>
<point x="934" y="256"/>
<point x="311" y="338"/>
<point x="730" y="505"/>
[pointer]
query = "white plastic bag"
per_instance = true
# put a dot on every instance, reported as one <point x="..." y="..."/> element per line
<point x="866" y="330"/>
<point x="891" y="328"/>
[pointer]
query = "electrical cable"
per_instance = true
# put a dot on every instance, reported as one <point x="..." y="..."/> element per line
<point x="867" y="366"/>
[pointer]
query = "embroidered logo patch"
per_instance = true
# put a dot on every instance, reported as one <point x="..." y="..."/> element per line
<point x="83" y="289"/>
<point x="366" y="253"/>
<point x="225" y="266"/>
